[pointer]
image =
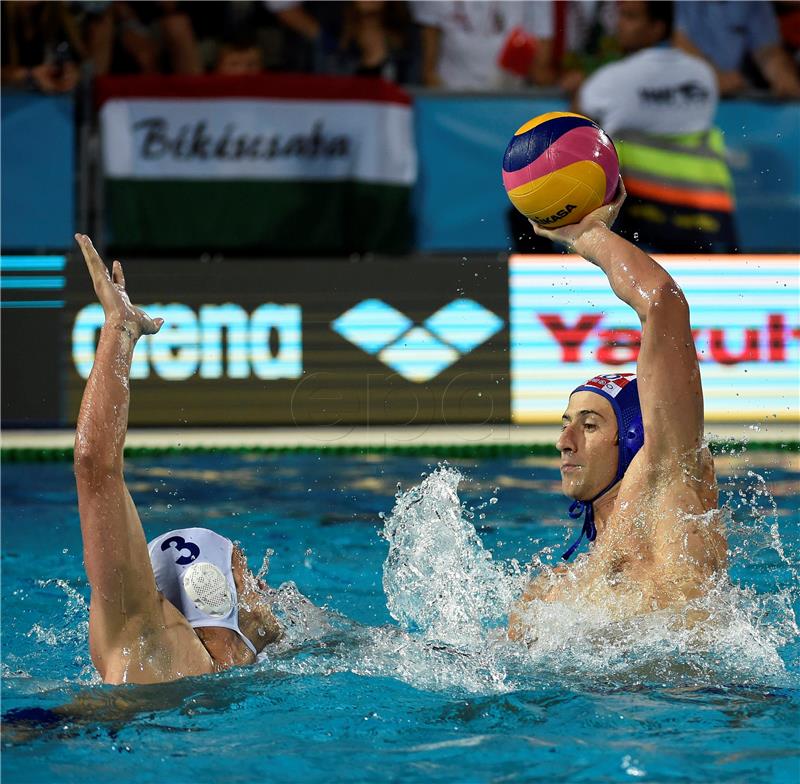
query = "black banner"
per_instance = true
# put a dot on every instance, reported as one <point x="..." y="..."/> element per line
<point x="32" y="350"/>
<point x="328" y="342"/>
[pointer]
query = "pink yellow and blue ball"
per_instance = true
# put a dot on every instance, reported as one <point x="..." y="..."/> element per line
<point x="558" y="167"/>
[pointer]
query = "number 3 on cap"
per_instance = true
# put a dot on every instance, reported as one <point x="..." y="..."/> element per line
<point x="181" y="544"/>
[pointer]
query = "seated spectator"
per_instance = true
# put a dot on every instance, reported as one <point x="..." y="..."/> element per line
<point x="462" y="42"/>
<point x="41" y="46"/>
<point x="725" y="34"/>
<point x="239" y="56"/>
<point x="658" y="103"/>
<point x="134" y="37"/>
<point x="374" y="39"/>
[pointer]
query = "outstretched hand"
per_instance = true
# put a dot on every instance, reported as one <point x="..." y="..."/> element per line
<point x="110" y="290"/>
<point x="568" y="235"/>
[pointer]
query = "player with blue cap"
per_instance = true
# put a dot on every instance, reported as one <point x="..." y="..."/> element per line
<point x="633" y="456"/>
<point x="621" y="391"/>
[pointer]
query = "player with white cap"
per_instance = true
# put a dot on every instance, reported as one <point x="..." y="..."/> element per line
<point x="186" y="605"/>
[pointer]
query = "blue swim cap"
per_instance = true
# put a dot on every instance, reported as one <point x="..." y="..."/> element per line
<point x="621" y="390"/>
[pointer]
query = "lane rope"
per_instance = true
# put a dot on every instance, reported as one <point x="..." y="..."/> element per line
<point x="64" y="454"/>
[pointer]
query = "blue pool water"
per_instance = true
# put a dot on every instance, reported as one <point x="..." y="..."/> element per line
<point x="354" y="694"/>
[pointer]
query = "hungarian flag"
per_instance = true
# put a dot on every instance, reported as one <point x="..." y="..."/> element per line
<point x="289" y="164"/>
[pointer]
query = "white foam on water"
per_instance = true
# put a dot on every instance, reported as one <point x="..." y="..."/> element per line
<point x="442" y="585"/>
<point x="72" y="631"/>
<point x="438" y="578"/>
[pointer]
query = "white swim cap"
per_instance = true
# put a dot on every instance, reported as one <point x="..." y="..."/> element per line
<point x="193" y="570"/>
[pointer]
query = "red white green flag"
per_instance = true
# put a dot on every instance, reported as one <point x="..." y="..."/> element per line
<point x="276" y="163"/>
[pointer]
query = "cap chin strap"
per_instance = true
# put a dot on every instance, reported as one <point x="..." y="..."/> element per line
<point x="589" y="530"/>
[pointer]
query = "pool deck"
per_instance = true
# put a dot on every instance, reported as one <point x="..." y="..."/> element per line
<point x="376" y="437"/>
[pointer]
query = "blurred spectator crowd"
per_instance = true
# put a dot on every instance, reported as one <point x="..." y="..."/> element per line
<point x="453" y="44"/>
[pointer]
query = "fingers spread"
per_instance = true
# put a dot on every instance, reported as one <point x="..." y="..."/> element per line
<point x="95" y="264"/>
<point x="151" y="326"/>
<point x="117" y="275"/>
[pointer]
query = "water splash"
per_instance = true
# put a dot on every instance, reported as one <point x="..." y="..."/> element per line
<point x="320" y="641"/>
<point x="442" y="585"/>
<point x="72" y="629"/>
<point x="438" y="578"/>
<point x="74" y="625"/>
<point x="451" y="597"/>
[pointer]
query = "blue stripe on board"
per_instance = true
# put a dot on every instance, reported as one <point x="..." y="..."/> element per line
<point x="33" y="283"/>
<point x="32" y="263"/>
<point x="19" y="304"/>
<point x="527" y="147"/>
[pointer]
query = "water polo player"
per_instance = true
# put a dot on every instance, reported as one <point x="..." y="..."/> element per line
<point x="187" y="604"/>
<point x="632" y="453"/>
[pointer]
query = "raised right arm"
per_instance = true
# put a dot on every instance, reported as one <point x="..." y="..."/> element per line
<point x="114" y="546"/>
<point x="670" y="390"/>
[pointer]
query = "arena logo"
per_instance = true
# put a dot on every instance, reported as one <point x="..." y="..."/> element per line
<point x="213" y="342"/>
<point x="618" y="346"/>
<point x="417" y="352"/>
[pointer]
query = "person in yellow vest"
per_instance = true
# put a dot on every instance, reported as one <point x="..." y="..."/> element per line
<point x="658" y="104"/>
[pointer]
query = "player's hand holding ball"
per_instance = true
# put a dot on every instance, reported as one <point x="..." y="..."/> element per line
<point x="561" y="171"/>
<point x="607" y="214"/>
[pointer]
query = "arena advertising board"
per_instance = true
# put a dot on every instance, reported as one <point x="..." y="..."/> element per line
<point x="328" y="342"/>
<point x="333" y="342"/>
<point x="567" y="325"/>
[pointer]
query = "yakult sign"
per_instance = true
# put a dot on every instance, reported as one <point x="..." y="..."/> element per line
<point x="567" y="325"/>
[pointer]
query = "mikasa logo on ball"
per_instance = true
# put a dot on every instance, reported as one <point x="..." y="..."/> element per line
<point x="556" y="216"/>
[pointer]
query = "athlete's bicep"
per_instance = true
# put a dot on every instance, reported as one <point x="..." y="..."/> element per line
<point x="670" y="388"/>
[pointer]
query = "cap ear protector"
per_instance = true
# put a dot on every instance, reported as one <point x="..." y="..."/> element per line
<point x="206" y="585"/>
<point x="633" y="440"/>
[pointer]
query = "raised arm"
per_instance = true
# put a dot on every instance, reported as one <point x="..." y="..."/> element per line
<point x="114" y="546"/>
<point x="670" y="390"/>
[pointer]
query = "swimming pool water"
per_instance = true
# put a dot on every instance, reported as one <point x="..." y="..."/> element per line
<point x="352" y="696"/>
